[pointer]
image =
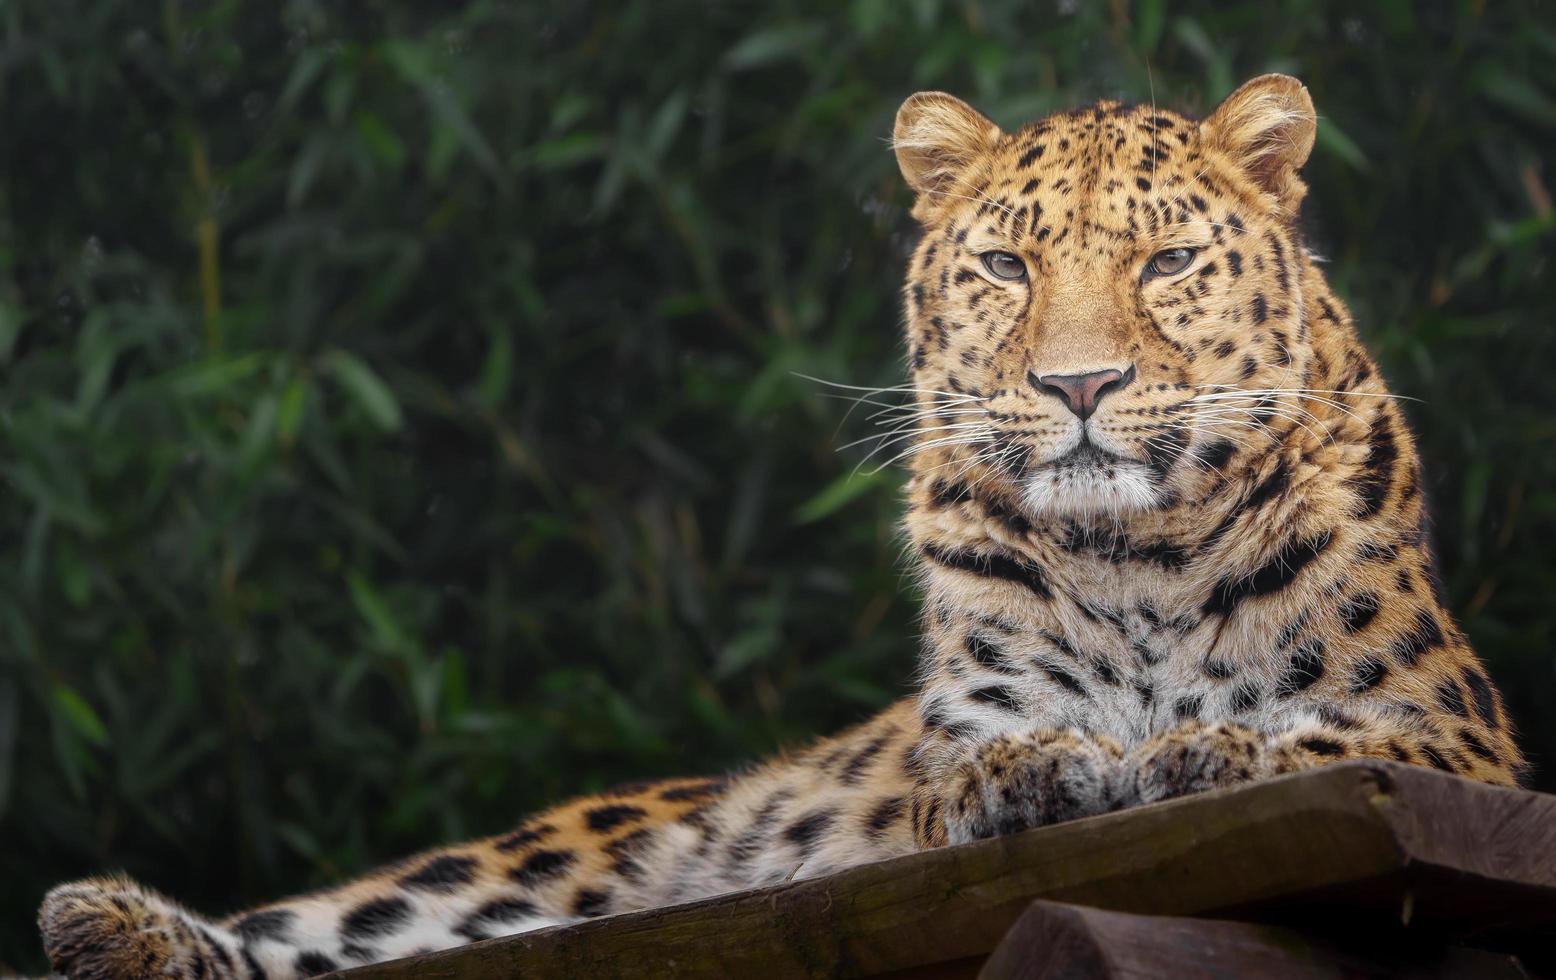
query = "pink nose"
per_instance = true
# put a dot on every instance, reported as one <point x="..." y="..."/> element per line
<point x="1081" y="392"/>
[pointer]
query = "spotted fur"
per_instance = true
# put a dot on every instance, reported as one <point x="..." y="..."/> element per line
<point x="1211" y="567"/>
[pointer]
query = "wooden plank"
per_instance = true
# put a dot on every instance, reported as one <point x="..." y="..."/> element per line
<point x="1393" y="842"/>
<point x="1052" y="940"/>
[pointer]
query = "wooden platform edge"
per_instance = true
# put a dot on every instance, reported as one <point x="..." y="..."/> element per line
<point x="1368" y="833"/>
<point x="1052" y="939"/>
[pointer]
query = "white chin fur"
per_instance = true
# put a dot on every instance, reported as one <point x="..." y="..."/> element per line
<point x="1120" y="489"/>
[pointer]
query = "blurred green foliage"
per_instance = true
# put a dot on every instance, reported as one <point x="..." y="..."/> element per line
<point x="400" y="412"/>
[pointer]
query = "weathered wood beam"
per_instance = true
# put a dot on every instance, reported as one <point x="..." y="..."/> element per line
<point x="1052" y="940"/>
<point x="1366" y="839"/>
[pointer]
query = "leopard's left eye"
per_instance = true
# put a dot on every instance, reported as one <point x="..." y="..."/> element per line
<point x="1169" y="262"/>
<point x="1004" y="265"/>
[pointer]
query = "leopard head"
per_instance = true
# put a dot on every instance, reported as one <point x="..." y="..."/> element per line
<point x="1104" y="301"/>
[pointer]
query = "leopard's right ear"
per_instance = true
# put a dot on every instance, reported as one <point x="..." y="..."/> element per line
<point x="936" y="137"/>
<point x="1266" y="129"/>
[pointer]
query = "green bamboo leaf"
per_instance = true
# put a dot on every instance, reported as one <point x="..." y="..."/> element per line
<point x="751" y="646"/>
<point x="425" y="680"/>
<point x="415" y="65"/>
<point x="455" y="684"/>
<point x="369" y="391"/>
<point x="379" y="138"/>
<point x="307" y="167"/>
<point x="766" y="47"/>
<point x="1518" y="93"/>
<point x="1150" y="19"/>
<point x="61" y="503"/>
<point x="73" y="573"/>
<point x="664" y="124"/>
<point x="305" y="71"/>
<point x="289" y="414"/>
<point x="376" y="613"/>
<point x="259" y="436"/>
<point x="838" y="494"/>
<point x="215" y="375"/>
<point x="1191" y="34"/>
<point x="497" y="368"/>
<point x="564" y="151"/>
<point x="82" y="718"/>
<point x="1332" y="139"/>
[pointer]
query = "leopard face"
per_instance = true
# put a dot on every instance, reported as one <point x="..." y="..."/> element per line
<point x="1104" y="303"/>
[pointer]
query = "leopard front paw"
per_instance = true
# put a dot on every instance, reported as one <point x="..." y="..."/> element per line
<point x="1016" y="782"/>
<point x="1192" y="758"/>
<point x="104" y="927"/>
<point x="108" y="928"/>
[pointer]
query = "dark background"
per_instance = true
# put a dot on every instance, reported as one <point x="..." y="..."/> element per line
<point x="400" y="417"/>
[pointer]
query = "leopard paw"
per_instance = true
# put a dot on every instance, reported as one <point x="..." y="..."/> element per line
<point x="1192" y="758"/>
<point x="110" y="928"/>
<point x="1016" y="782"/>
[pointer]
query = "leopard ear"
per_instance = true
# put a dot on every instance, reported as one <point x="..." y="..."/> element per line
<point x="1266" y="128"/>
<point x="936" y="137"/>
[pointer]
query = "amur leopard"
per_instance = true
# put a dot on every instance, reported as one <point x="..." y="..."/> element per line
<point x="1169" y="529"/>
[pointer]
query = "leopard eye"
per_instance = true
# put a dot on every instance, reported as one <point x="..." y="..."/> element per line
<point x="1003" y="265"/>
<point x="1169" y="262"/>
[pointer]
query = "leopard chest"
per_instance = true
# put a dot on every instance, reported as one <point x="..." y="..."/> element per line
<point x="1120" y="655"/>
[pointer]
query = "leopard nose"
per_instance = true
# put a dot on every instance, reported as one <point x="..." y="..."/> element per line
<point x="1081" y="392"/>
